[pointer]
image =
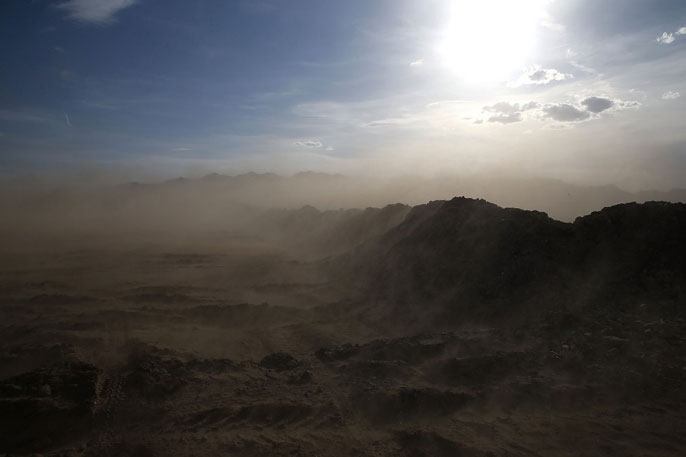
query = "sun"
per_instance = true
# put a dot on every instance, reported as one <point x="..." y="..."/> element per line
<point x="488" y="40"/>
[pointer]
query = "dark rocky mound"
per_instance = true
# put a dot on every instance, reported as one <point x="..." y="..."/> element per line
<point x="408" y="403"/>
<point x="279" y="361"/>
<point x="473" y="258"/>
<point x="408" y="349"/>
<point x="244" y="314"/>
<point x="154" y="377"/>
<point x="47" y="406"/>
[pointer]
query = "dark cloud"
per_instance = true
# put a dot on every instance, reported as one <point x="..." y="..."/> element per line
<point x="564" y="112"/>
<point x="597" y="104"/>
<point x="503" y="108"/>
<point x="506" y="118"/>
<point x="509" y="113"/>
<point x="530" y="106"/>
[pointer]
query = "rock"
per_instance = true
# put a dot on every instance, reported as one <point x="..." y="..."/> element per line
<point x="279" y="361"/>
<point x="155" y="377"/>
<point x="302" y="378"/>
<point x="336" y="353"/>
<point x="35" y="414"/>
<point x="45" y="390"/>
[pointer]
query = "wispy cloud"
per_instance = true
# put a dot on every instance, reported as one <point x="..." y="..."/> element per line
<point x="671" y="95"/>
<point x="94" y="11"/>
<point x="417" y="63"/>
<point x="67" y="120"/>
<point x="22" y="116"/>
<point x="572" y="58"/>
<point x="313" y="144"/>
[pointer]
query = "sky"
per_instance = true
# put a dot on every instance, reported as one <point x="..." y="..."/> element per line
<point x="582" y="90"/>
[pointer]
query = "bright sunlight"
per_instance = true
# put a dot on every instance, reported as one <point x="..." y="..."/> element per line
<point x="488" y="40"/>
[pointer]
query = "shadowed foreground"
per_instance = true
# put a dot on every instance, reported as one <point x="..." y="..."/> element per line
<point x="452" y="329"/>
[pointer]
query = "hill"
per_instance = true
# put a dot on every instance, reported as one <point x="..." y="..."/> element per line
<point x="470" y="258"/>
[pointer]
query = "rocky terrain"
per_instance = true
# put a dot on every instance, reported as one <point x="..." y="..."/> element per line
<point x="454" y="328"/>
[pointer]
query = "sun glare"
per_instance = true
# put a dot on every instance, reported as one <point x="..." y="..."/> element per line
<point x="488" y="40"/>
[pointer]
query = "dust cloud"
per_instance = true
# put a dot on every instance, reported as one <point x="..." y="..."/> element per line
<point x="320" y="314"/>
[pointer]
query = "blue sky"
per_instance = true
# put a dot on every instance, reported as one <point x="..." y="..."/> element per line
<point x="581" y="90"/>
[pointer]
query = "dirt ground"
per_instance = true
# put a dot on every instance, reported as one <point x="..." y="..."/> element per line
<point x="216" y="344"/>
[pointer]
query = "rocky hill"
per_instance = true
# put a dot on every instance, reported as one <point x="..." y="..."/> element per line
<point x="468" y="257"/>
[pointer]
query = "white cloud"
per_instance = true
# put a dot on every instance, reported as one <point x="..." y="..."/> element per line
<point x="538" y="75"/>
<point x="666" y="38"/>
<point x="671" y="95"/>
<point x="94" y="11"/>
<point x="669" y="38"/>
<point x="417" y="63"/>
<point x="313" y="144"/>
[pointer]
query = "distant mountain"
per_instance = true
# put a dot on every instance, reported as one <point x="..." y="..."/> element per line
<point x="471" y="258"/>
<point x="561" y="200"/>
<point x="222" y="202"/>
